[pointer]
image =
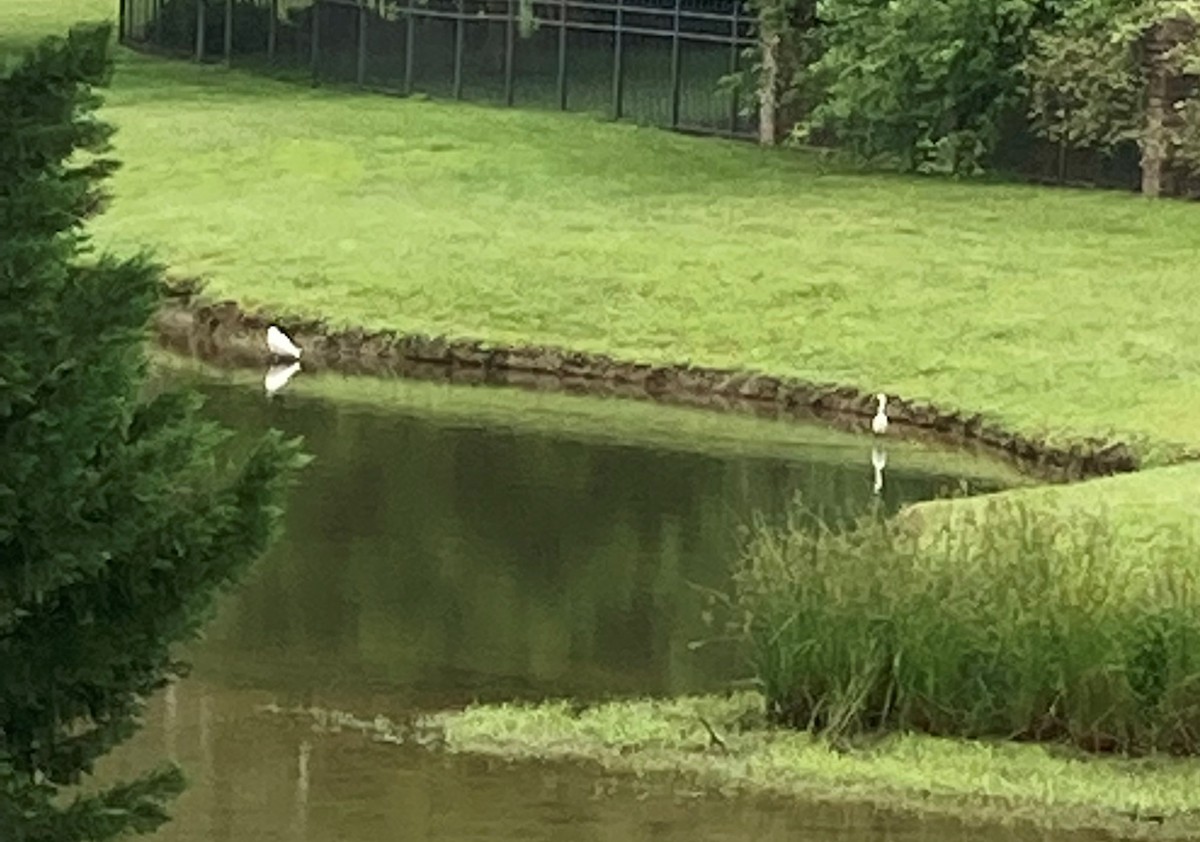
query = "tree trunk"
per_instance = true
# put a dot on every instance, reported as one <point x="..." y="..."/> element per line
<point x="1154" y="146"/>
<point x="768" y="91"/>
<point x="1166" y="87"/>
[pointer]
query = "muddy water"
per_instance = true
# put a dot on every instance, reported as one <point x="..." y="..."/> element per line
<point x="430" y="562"/>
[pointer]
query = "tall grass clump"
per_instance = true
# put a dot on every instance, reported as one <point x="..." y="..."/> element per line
<point x="1009" y="621"/>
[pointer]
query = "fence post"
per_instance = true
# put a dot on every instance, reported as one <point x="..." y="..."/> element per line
<point x="675" y="66"/>
<point x="410" y="44"/>
<point x="459" y="25"/>
<point x="314" y="44"/>
<point x="361" y="71"/>
<point x="272" y="31"/>
<point x="122" y="21"/>
<point x="510" y="27"/>
<point x="733" y="66"/>
<point x="562" y="55"/>
<point x="228" y="32"/>
<point x="201" y="23"/>
<point x="618" y="80"/>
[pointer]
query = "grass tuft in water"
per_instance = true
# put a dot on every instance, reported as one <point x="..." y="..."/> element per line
<point x="1012" y="621"/>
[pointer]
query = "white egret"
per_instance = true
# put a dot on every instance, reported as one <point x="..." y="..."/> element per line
<point x="278" y="376"/>
<point x="879" y="423"/>
<point x="878" y="462"/>
<point x="280" y="345"/>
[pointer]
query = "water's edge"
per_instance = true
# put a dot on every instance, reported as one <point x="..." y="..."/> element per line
<point x="721" y="745"/>
<point x="222" y="331"/>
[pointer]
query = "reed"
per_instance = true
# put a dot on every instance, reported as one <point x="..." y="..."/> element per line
<point x="1012" y="621"/>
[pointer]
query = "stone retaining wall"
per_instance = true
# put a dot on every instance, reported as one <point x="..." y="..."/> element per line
<point x="223" y="332"/>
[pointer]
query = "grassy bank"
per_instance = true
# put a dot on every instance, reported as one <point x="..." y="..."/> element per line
<point x="1046" y="788"/>
<point x="518" y="227"/>
<point x="1054" y="312"/>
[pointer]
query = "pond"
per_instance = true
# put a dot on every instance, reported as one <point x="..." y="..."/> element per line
<point x="451" y="544"/>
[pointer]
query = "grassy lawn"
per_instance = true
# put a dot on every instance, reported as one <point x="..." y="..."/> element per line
<point x="1062" y="313"/>
<point x="1055" y="312"/>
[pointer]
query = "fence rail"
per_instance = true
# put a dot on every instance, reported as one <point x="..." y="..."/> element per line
<point x="659" y="62"/>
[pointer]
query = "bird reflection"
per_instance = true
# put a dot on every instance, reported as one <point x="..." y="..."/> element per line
<point x="277" y="377"/>
<point x="170" y="721"/>
<point x="301" y="815"/>
<point x="878" y="462"/>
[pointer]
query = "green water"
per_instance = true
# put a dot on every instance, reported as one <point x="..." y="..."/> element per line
<point x="440" y="560"/>
<point x="562" y="546"/>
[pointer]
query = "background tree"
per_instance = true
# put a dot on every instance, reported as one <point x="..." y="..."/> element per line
<point x="788" y="42"/>
<point x="927" y="85"/>
<point x="1116" y="71"/>
<point x="121" y="516"/>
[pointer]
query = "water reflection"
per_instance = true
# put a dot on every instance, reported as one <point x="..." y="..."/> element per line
<point x="429" y="562"/>
<point x="259" y="777"/>
<point x="277" y="377"/>
<point x="432" y="563"/>
<point x="301" y="814"/>
<point x="878" y="462"/>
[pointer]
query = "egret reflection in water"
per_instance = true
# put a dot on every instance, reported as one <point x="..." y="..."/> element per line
<point x="277" y="377"/>
<point x="878" y="462"/>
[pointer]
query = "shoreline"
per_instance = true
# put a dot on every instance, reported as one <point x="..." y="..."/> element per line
<point x="720" y="745"/>
<point x="189" y="323"/>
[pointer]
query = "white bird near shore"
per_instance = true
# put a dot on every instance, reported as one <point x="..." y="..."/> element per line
<point x="878" y="462"/>
<point x="280" y="345"/>
<point x="879" y="423"/>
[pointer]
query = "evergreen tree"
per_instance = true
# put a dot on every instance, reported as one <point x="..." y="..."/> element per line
<point x="121" y="516"/>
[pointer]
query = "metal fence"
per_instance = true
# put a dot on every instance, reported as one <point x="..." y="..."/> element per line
<point x="657" y="62"/>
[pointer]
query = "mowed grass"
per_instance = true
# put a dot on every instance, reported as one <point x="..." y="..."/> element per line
<point x="1060" y="313"/>
<point x="1056" y="312"/>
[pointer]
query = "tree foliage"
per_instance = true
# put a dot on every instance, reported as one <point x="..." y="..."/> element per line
<point x="788" y="42"/>
<point x="925" y="83"/>
<point x="1088" y="77"/>
<point x="935" y="85"/>
<point x="121" y="516"/>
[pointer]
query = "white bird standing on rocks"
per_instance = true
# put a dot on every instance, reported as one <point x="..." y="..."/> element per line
<point x="280" y="345"/>
<point x="879" y="423"/>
